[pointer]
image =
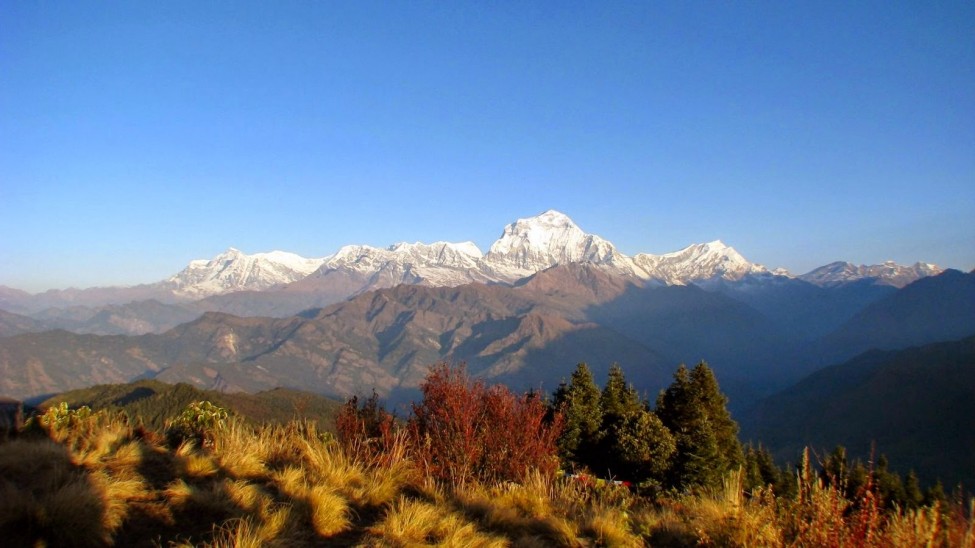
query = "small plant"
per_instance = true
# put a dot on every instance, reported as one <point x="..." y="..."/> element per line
<point x="60" y="417"/>
<point x="199" y="421"/>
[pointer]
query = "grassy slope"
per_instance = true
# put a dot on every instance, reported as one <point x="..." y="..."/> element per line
<point x="98" y="481"/>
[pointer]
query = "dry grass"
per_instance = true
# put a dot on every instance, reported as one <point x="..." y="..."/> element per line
<point x="95" y="482"/>
<point x="410" y="522"/>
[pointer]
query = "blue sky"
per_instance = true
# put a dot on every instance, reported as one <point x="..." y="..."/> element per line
<point x="137" y="136"/>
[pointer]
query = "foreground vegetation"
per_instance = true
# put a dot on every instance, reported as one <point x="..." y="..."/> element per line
<point x="472" y="466"/>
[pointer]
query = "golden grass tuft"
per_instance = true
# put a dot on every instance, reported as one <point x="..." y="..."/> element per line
<point x="919" y="527"/>
<point x="410" y="522"/>
<point x="329" y="511"/>
<point x="240" y="451"/>
<point x="526" y="513"/>
<point x="248" y="496"/>
<point x="195" y="464"/>
<point x="238" y="533"/>
<point x="178" y="493"/>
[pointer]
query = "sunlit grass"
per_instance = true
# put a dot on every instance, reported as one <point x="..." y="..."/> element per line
<point x="289" y="485"/>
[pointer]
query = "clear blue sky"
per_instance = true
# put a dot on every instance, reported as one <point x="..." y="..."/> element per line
<point x="136" y="136"/>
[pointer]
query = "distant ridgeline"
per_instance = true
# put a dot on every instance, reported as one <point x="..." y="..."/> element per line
<point x="152" y="403"/>
<point x="916" y="406"/>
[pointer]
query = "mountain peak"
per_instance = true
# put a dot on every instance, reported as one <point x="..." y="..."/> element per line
<point x="230" y="252"/>
<point x="234" y="270"/>
<point x="551" y="217"/>
<point x="529" y="245"/>
<point x="887" y="273"/>
<point x="698" y="262"/>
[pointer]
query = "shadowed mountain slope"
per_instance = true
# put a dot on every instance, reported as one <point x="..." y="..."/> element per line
<point x="932" y="309"/>
<point x="917" y="405"/>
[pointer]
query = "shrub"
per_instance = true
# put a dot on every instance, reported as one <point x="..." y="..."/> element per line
<point x="198" y="422"/>
<point x="462" y="430"/>
<point x="60" y="417"/>
<point x="365" y="431"/>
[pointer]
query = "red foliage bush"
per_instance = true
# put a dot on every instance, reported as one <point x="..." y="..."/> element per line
<point x="365" y="431"/>
<point x="462" y="430"/>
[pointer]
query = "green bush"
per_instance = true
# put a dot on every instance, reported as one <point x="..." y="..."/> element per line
<point x="60" y="418"/>
<point x="198" y="422"/>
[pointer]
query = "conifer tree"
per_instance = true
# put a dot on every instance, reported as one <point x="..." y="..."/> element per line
<point x="761" y="471"/>
<point x="640" y="448"/>
<point x="618" y="399"/>
<point x="913" y="497"/>
<point x="635" y="445"/>
<point x="579" y="401"/>
<point x="716" y="404"/>
<point x="694" y="410"/>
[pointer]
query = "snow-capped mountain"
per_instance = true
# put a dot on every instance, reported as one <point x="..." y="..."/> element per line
<point x="888" y="273"/>
<point x="234" y="270"/>
<point x="698" y="262"/>
<point x="524" y="248"/>
<point x="530" y="245"/>
<point x="439" y="263"/>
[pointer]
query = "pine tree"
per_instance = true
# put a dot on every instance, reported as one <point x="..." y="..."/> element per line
<point x="912" y="491"/>
<point x="694" y="410"/>
<point x="618" y="399"/>
<point x="761" y="472"/>
<point x="635" y="445"/>
<point x="641" y="448"/>
<point x="725" y="428"/>
<point x="579" y="401"/>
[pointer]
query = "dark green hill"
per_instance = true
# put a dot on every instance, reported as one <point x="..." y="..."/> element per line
<point x="933" y="309"/>
<point x="153" y="402"/>
<point x="917" y="405"/>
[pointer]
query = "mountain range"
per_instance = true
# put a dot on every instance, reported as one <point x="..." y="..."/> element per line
<point x="545" y="297"/>
<point x="280" y="284"/>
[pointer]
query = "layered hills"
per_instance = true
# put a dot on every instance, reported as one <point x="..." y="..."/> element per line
<point x="528" y="334"/>
<point x="545" y="296"/>
<point x="913" y="405"/>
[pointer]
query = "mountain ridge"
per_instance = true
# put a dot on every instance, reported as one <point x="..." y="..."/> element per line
<point x="525" y="247"/>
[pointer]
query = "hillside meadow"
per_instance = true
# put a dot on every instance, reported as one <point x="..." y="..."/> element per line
<point x="77" y="477"/>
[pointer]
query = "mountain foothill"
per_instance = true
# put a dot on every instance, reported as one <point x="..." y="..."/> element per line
<point x="545" y="297"/>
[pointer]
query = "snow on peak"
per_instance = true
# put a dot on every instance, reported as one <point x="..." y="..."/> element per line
<point x="438" y="248"/>
<point x="439" y="263"/>
<point x="536" y="243"/>
<point x="698" y="262"/>
<point x="525" y="247"/>
<point x="888" y="273"/>
<point x="234" y="270"/>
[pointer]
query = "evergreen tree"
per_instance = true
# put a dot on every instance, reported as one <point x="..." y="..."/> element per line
<point x="618" y="399"/>
<point x="716" y="404"/>
<point x="694" y="410"/>
<point x="641" y="448"/>
<point x="635" y="445"/>
<point x="889" y="484"/>
<point x="761" y="472"/>
<point x="912" y="491"/>
<point x="579" y="401"/>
